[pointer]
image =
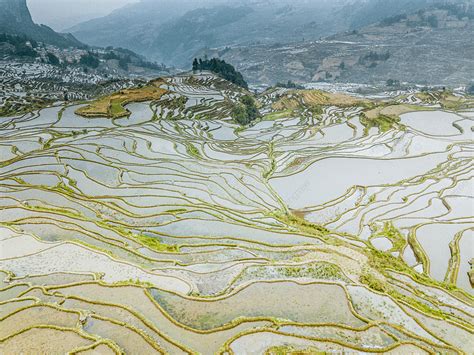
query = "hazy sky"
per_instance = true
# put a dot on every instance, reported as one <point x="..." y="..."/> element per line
<point x="61" y="14"/>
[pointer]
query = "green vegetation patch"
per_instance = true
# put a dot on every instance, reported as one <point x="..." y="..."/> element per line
<point x="446" y="99"/>
<point x="155" y="243"/>
<point x="383" y="122"/>
<point x="301" y="99"/>
<point x="193" y="151"/>
<point x="383" y="262"/>
<point x="113" y="106"/>
<point x="300" y="223"/>
<point x="12" y="108"/>
<point x="246" y="111"/>
<point x="318" y="270"/>
<point x="393" y="234"/>
<point x="277" y="115"/>
<point x="288" y="350"/>
<point x="221" y="68"/>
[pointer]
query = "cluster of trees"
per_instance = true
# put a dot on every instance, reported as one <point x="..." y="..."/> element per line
<point x="393" y="20"/>
<point x="289" y="85"/>
<point x="52" y="59"/>
<point x="220" y="67"/>
<point x="90" y="60"/>
<point x="125" y="57"/>
<point x="124" y="62"/>
<point x="372" y="58"/>
<point x="245" y="111"/>
<point x="393" y="83"/>
<point x="20" y="45"/>
<point x="376" y="57"/>
<point x="470" y="89"/>
<point x="111" y="55"/>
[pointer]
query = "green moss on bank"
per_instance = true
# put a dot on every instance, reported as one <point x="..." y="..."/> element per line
<point x="156" y="244"/>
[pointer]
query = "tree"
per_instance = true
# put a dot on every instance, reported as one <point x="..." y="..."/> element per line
<point x="110" y="55"/>
<point x="289" y="85"/>
<point x="239" y="114"/>
<point x="123" y="62"/>
<point x="470" y="89"/>
<point x="52" y="59"/>
<point x="23" y="50"/>
<point x="195" y="64"/>
<point x="246" y="111"/>
<point x="90" y="60"/>
<point x="252" y="111"/>
<point x="223" y="69"/>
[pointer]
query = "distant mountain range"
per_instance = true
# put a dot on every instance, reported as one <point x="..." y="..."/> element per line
<point x="15" y="18"/>
<point x="22" y="39"/>
<point x="363" y="41"/>
<point x="429" y="46"/>
<point x="173" y="31"/>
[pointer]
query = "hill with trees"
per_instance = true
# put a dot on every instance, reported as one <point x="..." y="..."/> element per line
<point x="221" y="68"/>
<point x="405" y="48"/>
<point x="15" y="19"/>
<point x="174" y="32"/>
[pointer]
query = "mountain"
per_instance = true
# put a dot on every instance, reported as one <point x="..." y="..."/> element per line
<point x="15" y="18"/>
<point x="173" y="32"/>
<point x="429" y="46"/>
<point x="19" y="37"/>
<point x="132" y="26"/>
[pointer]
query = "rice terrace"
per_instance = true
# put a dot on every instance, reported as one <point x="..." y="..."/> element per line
<point x="193" y="213"/>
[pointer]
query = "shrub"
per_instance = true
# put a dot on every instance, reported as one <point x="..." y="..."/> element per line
<point x="123" y="62"/>
<point x="246" y="111"/>
<point x="89" y="60"/>
<point x="289" y="85"/>
<point x="111" y="55"/>
<point x="52" y="59"/>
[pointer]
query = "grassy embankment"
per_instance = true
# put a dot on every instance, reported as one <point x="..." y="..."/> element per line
<point x="382" y="115"/>
<point x="113" y="106"/>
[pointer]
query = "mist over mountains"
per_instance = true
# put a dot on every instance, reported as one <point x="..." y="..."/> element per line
<point x="269" y="41"/>
<point x="427" y="47"/>
<point x="173" y="32"/>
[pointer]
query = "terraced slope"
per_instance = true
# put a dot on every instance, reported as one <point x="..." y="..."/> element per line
<point x="174" y="230"/>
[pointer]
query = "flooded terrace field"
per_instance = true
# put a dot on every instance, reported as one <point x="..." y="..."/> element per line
<point x="175" y="230"/>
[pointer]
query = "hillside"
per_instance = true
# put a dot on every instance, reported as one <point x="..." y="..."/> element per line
<point x="15" y="18"/>
<point x="426" y="47"/>
<point x="24" y="41"/>
<point x="166" y="32"/>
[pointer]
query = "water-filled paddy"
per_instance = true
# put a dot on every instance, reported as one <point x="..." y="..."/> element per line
<point x="305" y="304"/>
<point x="202" y="235"/>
